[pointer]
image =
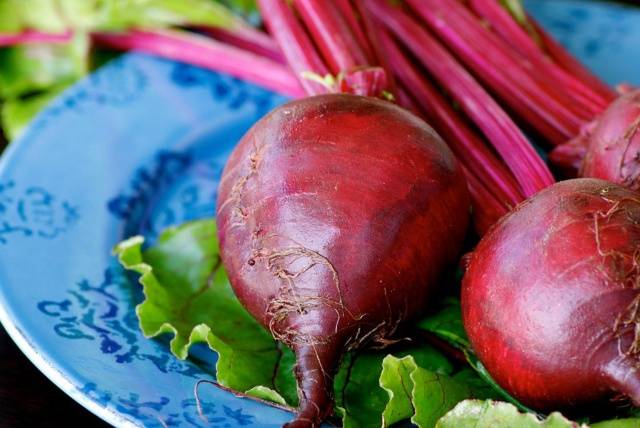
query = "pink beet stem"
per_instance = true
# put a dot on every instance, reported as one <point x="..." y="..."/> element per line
<point x="487" y="210"/>
<point x="331" y="34"/>
<point x="544" y="82"/>
<point x="526" y="165"/>
<point x="571" y="64"/>
<point x="249" y="39"/>
<point x="294" y="43"/>
<point x="469" y="149"/>
<point x="31" y="37"/>
<point x="555" y="116"/>
<point x="357" y="27"/>
<point x="504" y="24"/>
<point x="207" y="53"/>
<point x="408" y="103"/>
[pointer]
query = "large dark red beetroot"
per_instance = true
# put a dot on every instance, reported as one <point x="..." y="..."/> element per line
<point x="551" y="298"/>
<point x="609" y="147"/>
<point x="336" y="215"/>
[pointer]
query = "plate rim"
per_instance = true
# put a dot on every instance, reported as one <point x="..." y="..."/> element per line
<point x="48" y="369"/>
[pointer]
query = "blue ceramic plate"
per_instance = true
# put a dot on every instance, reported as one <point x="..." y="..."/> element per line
<point x="134" y="148"/>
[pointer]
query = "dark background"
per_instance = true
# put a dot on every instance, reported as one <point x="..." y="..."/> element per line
<point x="29" y="399"/>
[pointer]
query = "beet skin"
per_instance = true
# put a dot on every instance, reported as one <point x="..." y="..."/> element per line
<point x="336" y="216"/>
<point x="551" y="297"/>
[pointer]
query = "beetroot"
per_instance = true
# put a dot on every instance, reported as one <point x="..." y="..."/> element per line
<point x="336" y="216"/>
<point x="551" y="298"/>
<point x="608" y="148"/>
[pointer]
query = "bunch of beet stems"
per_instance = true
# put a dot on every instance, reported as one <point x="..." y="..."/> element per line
<point x="339" y="46"/>
<point x="529" y="71"/>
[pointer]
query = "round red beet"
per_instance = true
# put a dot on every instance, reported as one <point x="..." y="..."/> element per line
<point x="613" y="151"/>
<point x="551" y="298"/>
<point x="609" y="147"/>
<point x="336" y="216"/>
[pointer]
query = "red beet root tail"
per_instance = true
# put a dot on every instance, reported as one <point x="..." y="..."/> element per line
<point x="315" y="368"/>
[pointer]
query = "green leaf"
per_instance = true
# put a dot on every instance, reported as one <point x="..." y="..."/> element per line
<point x="187" y="294"/>
<point x="123" y="14"/>
<point x="27" y="69"/>
<point x="52" y="16"/>
<point x="243" y="6"/>
<point x="248" y="9"/>
<point x="35" y="67"/>
<point x="434" y="395"/>
<point x="38" y="14"/>
<point x="396" y="380"/>
<point x="495" y="414"/>
<point x="16" y="113"/>
<point x="9" y="22"/>
<point x="82" y="14"/>
<point x="266" y="394"/>
<point x="420" y="394"/>
<point x="358" y="397"/>
<point x="480" y="387"/>
<point x="447" y="324"/>
<point x="358" y="388"/>
<point x="90" y="15"/>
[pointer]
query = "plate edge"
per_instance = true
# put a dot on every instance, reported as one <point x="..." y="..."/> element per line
<point x="55" y="376"/>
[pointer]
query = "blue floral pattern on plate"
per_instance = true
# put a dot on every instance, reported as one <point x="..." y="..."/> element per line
<point x="33" y="211"/>
<point x="134" y="148"/>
